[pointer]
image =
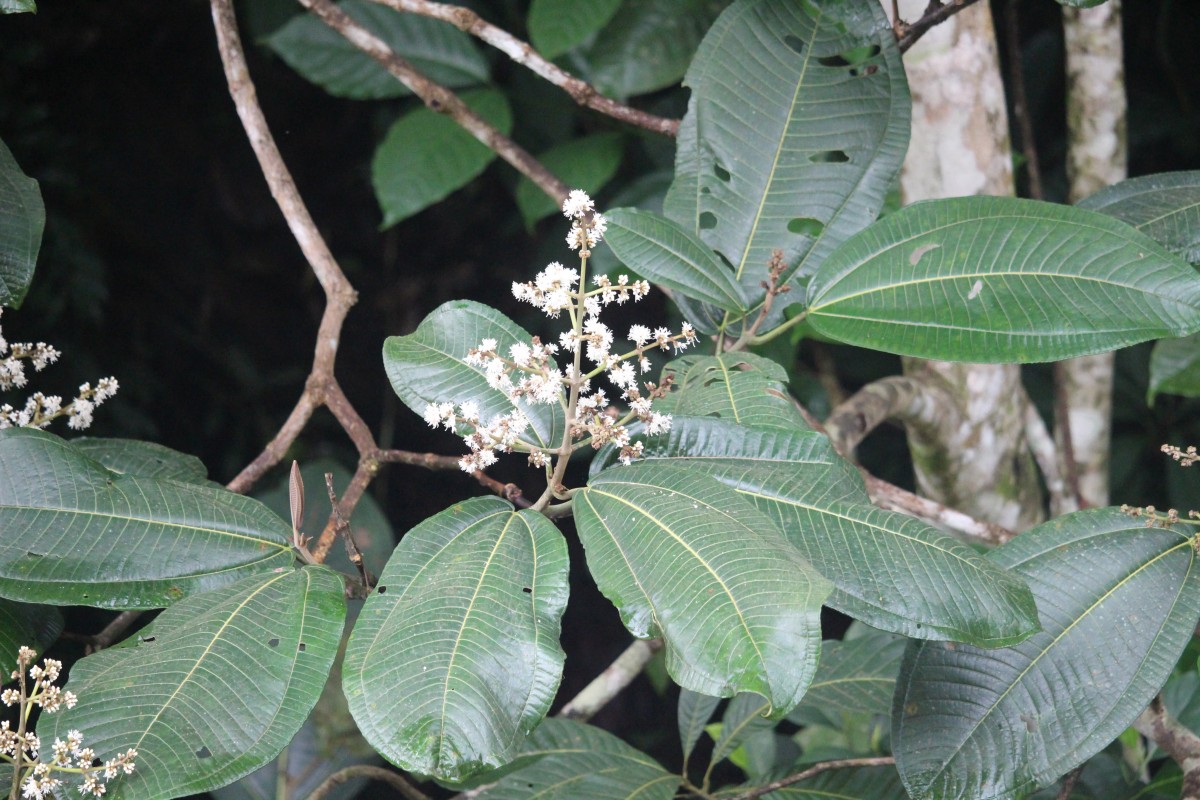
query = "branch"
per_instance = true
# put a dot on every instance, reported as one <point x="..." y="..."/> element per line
<point x="609" y="683"/>
<point x="110" y="633"/>
<point x="892" y="498"/>
<point x="908" y="400"/>
<point x="393" y="779"/>
<point x="1180" y="743"/>
<point x="521" y="52"/>
<point x="1045" y="453"/>
<point x="815" y="769"/>
<point x="936" y="12"/>
<point x="1020" y="98"/>
<point x="438" y="97"/>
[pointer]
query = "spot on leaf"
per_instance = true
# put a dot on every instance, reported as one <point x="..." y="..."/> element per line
<point x="975" y="290"/>
<point x="203" y="752"/>
<point x="915" y="258"/>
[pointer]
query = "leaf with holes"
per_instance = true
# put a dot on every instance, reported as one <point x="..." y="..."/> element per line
<point x="426" y="156"/>
<point x="322" y="55"/>
<point x="22" y="217"/>
<point x="463" y="625"/>
<point x="738" y="387"/>
<point x="565" y="760"/>
<point x="25" y="625"/>
<point x="855" y="676"/>
<point x="1165" y="207"/>
<point x="796" y="129"/>
<point x="1175" y="367"/>
<point x="890" y="570"/>
<point x="256" y="652"/>
<point x="79" y="534"/>
<point x="660" y="250"/>
<point x="997" y="279"/>
<point x="685" y="558"/>
<point x="556" y="26"/>
<point x="587" y="163"/>
<point x="143" y="459"/>
<point x="428" y="366"/>
<point x="1118" y="603"/>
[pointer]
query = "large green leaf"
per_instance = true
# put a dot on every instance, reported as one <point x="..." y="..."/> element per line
<point x="693" y="713"/>
<point x="215" y="689"/>
<point x="1175" y="367"/>
<point x="1165" y="207"/>
<point x="890" y="570"/>
<point x="322" y="55"/>
<point x="997" y="279"/>
<point x="648" y="44"/>
<point x="77" y="534"/>
<point x="143" y="459"/>
<point x="685" y="558"/>
<point x="586" y="163"/>
<point x="556" y="26"/>
<point x="738" y="387"/>
<point x="569" y="761"/>
<point x="743" y="719"/>
<point x="17" y="6"/>
<point x="427" y="366"/>
<point x="797" y="127"/>
<point x="463" y="626"/>
<point x="22" y="217"/>
<point x="1118" y="603"/>
<point x="858" y="783"/>
<point x="856" y="676"/>
<point x="426" y="155"/>
<point x="657" y="248"/>
<point x="25" y="625"/>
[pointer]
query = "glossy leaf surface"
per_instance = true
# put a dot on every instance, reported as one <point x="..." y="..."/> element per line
<point x="693" y="713"/>
<point x="569" y="760"/>
<point x="1165" y="207"/>
<point x="797" y="127"/>
<point x="683" y="557"/>
<point x="323" y="56"/>
<point x="891" y="571"/>
<point x="78" y="534"/>
<point x="215" y="689"/>
<point x="17" y="6"/>
<point x="455" y="657"/>
<point x="997" y="279"/>
<point x="660" y="250"/>
<point x="743" y="719"/>
<point x="22" y="217"/>
<point x="143" y="459"/>
<point x="427" y="366"/>
<point x="1118" y="603"/>
<point x="855" y="676"/>
<point x="587" y="163"/>
<point x="1175" y="367"/>
<point x="426" y="156"/>
<point x="736" y="387"/>
<point x="556" y="26"/>
<point x="25" y="625"/>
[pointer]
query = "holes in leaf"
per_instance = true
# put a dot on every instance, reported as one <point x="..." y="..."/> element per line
<point x="705" y="190"/>
<point x="203" y="752"/>
<point x="273" y="643"/>
<point x="850" y="58"/>
<point x="526" y="590"/>
<point x="806" y="226"/>
<point x="795" y="43"/>
<point x="829" y="157"/>
<point x="721" y="173"/>
<point x="146" y="639"/>
<point x="869" y="69"/>
<point x="708" y="221"/>
<point x="381" y="589"/>
<point x="303" y="647"/>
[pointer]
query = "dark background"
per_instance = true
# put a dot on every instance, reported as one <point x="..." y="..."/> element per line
<point x="166" y="263"/>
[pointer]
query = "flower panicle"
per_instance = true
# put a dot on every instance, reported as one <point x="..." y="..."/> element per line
<point x="529" y="375"/>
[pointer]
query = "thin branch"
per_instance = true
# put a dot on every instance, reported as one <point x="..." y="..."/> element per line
<point x="1045" y="453"/>
<point x="393" y="779"/>
<point x="438" y="97"/>
<point x="521" y="52"/>
<point x="109" y="634"/>
<point x="815" y="769"/>
<point x="1062" y="424"/>
<point x="1068" y="784"/>
<point x="1020" y="98"/>
<point x="347" y="535"/>
<point x="1177" y="741"/>
<point x="892" y="498"/>
<point x="936" y="12"/>
<point x="609" y="683"/>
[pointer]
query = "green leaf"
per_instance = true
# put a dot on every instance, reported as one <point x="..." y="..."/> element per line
<point x="427" y="366"/>
<point x="17" y="7"/>
<point x="890" y="570"/>
<point x="856" y="676"/>
<point x="426" y="156"/>
<point x="569" y="760"/>
<point x="1165" y="207"/>
<point x="216" y="690"/>
<point x="797" y="127"/>
<point x="743" y="719"/>
<point x="556" y="26"/>
<point x="463" y="625"/>
<point x="586" y="163"/>
<point x="683" y="557"/>
<point x="1175" y="367"/>
<point x="437" y="49"/>
<point x="694" y="712"/>
<point x="25" y="625"/>
<point x="1118" y="603"/>
<point x="142" y="459"/>
<point x="648" y="44"/>
<point x="657" y="248"/>
<point x="78" y="534"/>
<point x="737" y="387"/>
<point x="997" y="279"/>
<point x="857" y="783"/>
<point x="22" y="217"/>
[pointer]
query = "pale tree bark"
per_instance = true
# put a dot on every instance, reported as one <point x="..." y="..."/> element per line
<point x="1096" y="157"/>
<point x="976" y="458"/>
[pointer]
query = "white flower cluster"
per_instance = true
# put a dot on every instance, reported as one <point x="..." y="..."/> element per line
<point x="528" y="373"/>
<point x="22" y="748"/>
<point x="39" y="409"/>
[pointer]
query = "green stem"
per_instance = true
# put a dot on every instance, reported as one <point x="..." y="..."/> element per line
<point x="782" y="329"/>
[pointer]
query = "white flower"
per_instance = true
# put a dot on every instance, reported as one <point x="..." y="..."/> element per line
<point x="658" y="423"/>
<point x="639" y="334"/>
<point x="577" y="204"/>
<point x="623" y="376"/>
